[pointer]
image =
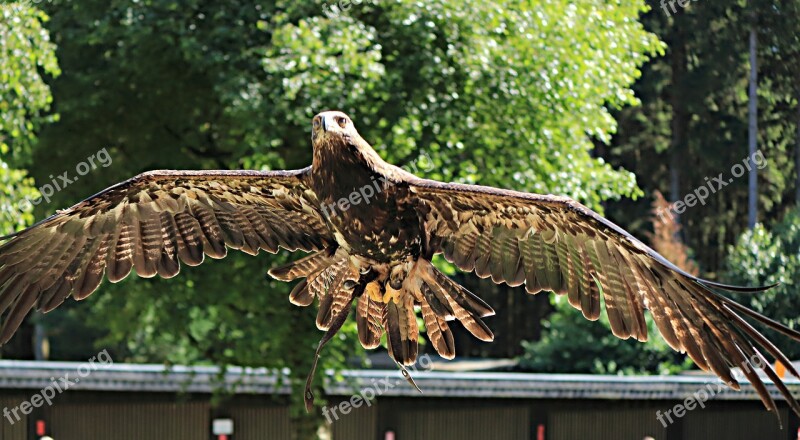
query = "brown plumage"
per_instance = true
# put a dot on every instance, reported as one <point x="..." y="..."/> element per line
<point x="373" y="229"/>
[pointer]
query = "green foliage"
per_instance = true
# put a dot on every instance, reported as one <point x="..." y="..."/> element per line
<point x="509" y="94"/>
<point x="765" y="256"/>
<point x="450" y="64"/>
<point x="198" y="84"/>
<point x="25" y="52"/>
<point x="572" y="344"/>
<point x="693" y="119"/>
<point x="25" y="55"/>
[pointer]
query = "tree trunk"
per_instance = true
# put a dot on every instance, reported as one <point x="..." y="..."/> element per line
<point x="679" y="123"/>
<point x="752" y="128"/>
<point x="797" y="154"/>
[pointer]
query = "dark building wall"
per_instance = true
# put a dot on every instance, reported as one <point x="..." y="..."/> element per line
<point x="735" y="421"/>
<point x="129" y="421"/>
<point x="517" y="419"/>
<point x="455" y="418"/>
<point x="607" y="422"/>
<point x="82" y="415"/>
<point x="85" y="415"/>
<point x="260" y="423"/>
<point x="18" y="430"/>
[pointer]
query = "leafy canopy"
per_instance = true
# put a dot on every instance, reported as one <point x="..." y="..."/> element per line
<point x="26" y="57"/>
<point x="765" y="256"/>
<point x="509" y="94"/>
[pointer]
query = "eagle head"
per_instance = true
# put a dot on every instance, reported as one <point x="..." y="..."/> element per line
<point x="332" y="125"/>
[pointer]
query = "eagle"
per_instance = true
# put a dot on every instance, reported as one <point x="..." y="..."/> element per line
<point x="371" y="230"/>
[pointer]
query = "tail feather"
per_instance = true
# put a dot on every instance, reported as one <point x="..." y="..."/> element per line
<point x="369" y="315"/>
<point x="301" y="295"/>
<point x="334" y="297"/>
<point x="400" y="322"/>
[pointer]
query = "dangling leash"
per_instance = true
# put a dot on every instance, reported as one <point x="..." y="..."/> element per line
<point x="336" y="325"/>
<point x="407" y="376"/>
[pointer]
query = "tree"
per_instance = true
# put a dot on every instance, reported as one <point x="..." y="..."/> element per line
<point x="504" y="94"/>
<point x="765" y="256"/>
<point x="780" y="33"/>
<point x="693" y="119"/>
<point x="26" y="57"/>
<point x="572" y="344"/>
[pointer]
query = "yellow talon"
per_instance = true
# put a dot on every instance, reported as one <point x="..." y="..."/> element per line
<point x="391" y="294"/>
<point x="374" y="291"/>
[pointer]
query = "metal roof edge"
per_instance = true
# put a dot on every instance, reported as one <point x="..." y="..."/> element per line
<point x="33" y="375"/>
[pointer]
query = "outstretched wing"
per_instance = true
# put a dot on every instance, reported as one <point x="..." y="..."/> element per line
<point x="554" y="243"/>
<point x="150" y="223"/>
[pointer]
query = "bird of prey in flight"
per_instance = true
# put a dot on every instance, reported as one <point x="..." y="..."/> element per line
<point x="371" y="230"/>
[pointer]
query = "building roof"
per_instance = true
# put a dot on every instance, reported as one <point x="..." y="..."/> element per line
<point x="203" y="379"/>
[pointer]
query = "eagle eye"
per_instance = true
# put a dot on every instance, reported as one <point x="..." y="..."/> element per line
<point x="315" y="123"/>
<point x="342" y="121"/>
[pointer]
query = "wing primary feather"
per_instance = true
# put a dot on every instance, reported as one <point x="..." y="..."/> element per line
<point x="120" y="256"/>
<point x="19" y="310"/>
<point x="731" y="288"/>
<point x="92" y="270"/>
<point x="777" y="326"/>
<point x="56" y="295"/>
<point x="482" y="254"/>
<point x="147" y="249"/>
<point x="190" y="247"/>
<point x="532" y="283"/>
<point x="590" y="303"/>
<point x="635" y="292"/>
<point x="168" y="265"/>
<point x="212" y="235"/>
<point x="581" y="287"/>
<point x="764" y="342"/>
<point x="548" y="245"/>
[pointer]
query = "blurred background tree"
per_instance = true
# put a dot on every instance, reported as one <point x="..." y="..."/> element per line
<point x="27" y="58"/>
<point x="771" y="255"/>
<point x="692" y="124"/>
